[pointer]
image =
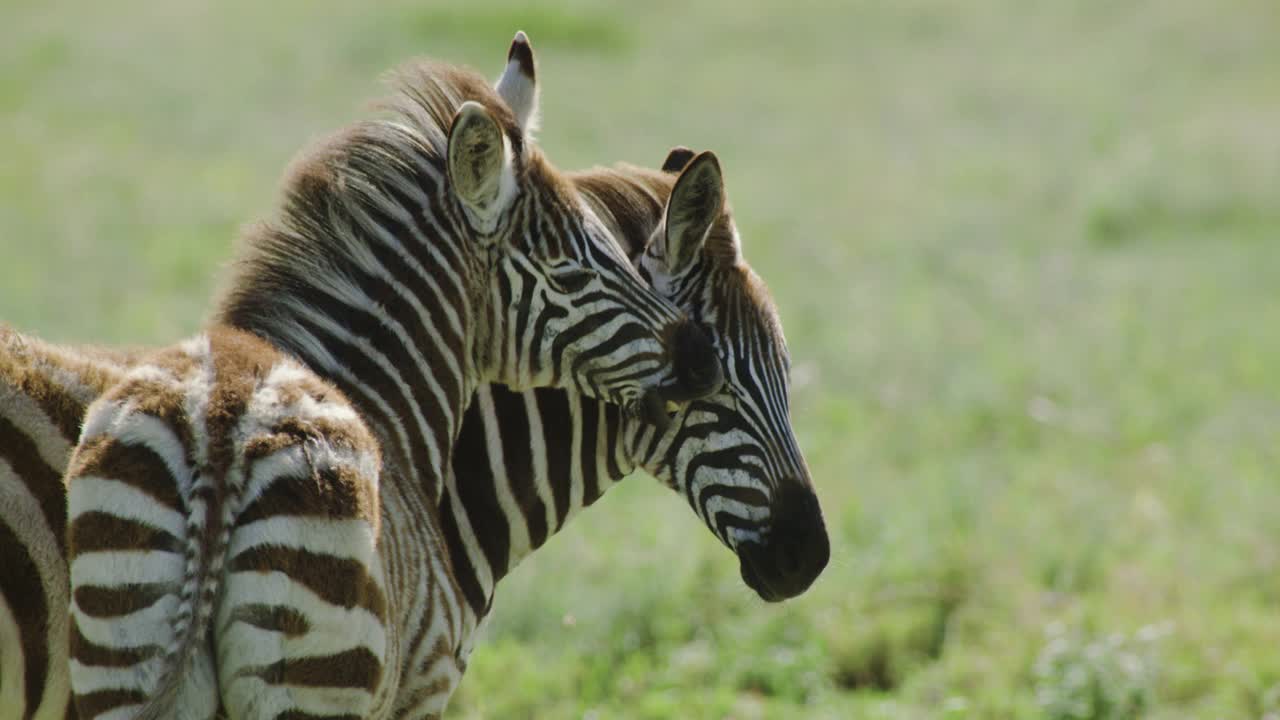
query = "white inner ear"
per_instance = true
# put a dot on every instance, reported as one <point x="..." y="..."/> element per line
<point x="485" y="219"/>
<point x="692" y="209"/>
<point x="485" y="191"/>
<point x="507" y="180"/>
<point x="654" y="261"/>
<point x="521" y="95"/>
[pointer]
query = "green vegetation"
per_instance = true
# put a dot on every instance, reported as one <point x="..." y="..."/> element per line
<point x="1028" y="259"/>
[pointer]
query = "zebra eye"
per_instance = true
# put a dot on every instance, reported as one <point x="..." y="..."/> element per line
<point x="570" y="278"/>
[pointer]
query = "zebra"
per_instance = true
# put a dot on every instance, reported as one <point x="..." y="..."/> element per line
<point x="547" y="444"/>
<point x="544" y="453"/>
<point x="44" y="391"/>
<point x="252" y="511"/>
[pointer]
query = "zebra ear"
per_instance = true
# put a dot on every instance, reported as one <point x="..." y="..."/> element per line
<point x="518" y="85"/>
<point x="479" y="163"/>
<point x="696" y="201"/>
<point x="677" y="159"/>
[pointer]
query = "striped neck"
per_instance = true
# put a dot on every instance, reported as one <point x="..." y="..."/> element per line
<point x="371" y="279"/>
<point x="525" y="464"/>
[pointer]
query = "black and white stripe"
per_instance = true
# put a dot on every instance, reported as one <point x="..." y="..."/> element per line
<point x="253" y="512"/>
<point x="524" y="463"/>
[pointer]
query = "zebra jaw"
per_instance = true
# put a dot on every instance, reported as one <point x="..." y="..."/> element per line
<point x="656" y="410"/>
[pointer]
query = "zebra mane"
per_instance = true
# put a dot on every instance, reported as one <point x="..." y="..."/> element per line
<point x="628" y="198"/>
<point x="631" y="199"/>
<point x="368" y="164"/>
<point x="427" y="94"/>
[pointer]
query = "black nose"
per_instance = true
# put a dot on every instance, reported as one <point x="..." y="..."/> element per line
<point x="795" y="550"/>
<point x="697" y="366"/>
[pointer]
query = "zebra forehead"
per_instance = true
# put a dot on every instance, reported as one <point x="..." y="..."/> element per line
<point x="752" y="313"/>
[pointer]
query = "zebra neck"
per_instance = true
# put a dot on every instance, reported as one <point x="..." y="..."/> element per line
<point x="372" y="277"/>
<point x="394" y="330"/>
<point x="412" y="407"/>
<point x="523" y="466"/>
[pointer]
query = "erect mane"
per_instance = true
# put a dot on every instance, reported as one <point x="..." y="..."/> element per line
<point x="631" y="199"/>
<point x="628" y="198"/>
<point x="362" y="167"/>
<point x="427" y="94"/>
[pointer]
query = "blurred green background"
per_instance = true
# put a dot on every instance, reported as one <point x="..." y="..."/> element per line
<point x="1028" y="259"/>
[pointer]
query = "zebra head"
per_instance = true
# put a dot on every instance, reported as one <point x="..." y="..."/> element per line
<point x="566" y="308"/>
<point x="733" y="455"/>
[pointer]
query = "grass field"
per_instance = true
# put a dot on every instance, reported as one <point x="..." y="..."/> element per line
<point x="1028" y="259"/>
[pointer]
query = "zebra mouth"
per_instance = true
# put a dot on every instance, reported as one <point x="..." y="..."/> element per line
<point x="785" y="562"/>
<point x="761" y="572"/>
<point x="755" y="581"/>
<point x="779" y="570"/>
